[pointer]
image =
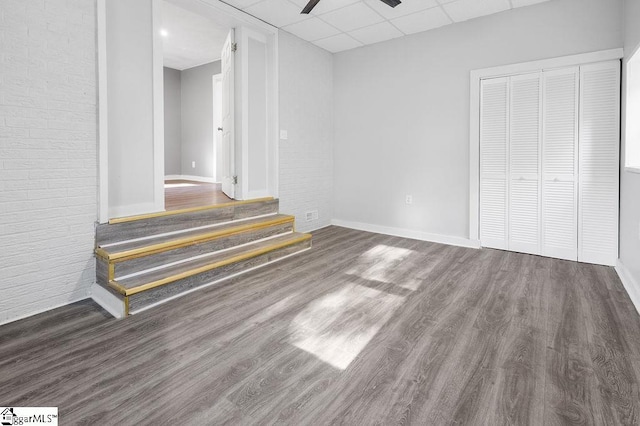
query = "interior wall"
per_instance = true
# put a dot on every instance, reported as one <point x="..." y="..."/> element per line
<point x="197" y="120"/>
<point x="630" y="182"/>
<point x="172" y="122"/>
<point x="306" y="113"/>
<point x="48" y="154"/>
<point x="130" y="109"/>
<point x="402" y="109"/>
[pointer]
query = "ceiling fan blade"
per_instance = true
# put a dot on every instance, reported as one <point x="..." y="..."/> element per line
<point x="309" y="7"/>
<point x="392" y="3"/>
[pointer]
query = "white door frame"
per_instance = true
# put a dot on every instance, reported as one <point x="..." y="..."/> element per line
<point x="103" y="137"/>
<point x="215" y="79"/>
<point x="474" y="114"/>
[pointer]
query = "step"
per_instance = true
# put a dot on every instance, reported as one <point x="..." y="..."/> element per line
<point x="132" y="257"/>
<point x="149" y="225"/>
<point x="142" y="291"/>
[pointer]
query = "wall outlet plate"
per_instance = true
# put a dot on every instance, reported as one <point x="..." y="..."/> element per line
<point x="284" y="135"/>
<point x="408" y="199"/>
<point x="193" y="164"/>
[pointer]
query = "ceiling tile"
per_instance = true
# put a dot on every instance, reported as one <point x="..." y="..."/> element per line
<point x="311" y="29"/>
<point x="325" y="5"/>
<point x="404" y="8"/>
<point x="520" y="3"/>
<point x="376" y="33"/>
<point x="422" y="21"/>
<point x="463" y="10"/>
<point x="241" y="4"/>
<point x="337" y="43"/>
<point x="349" y="18"/>
<point x="276" y="12"/>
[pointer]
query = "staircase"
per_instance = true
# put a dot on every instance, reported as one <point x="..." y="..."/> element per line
<point x="143" y="261"/>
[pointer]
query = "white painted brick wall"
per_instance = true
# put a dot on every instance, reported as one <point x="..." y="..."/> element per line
<point x="48" y="154"/>
<point x="306" y="112"/>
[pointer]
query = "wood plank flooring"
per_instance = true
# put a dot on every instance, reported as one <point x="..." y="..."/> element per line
<point x="363" y="329"/>
<point x="182" y="194"/>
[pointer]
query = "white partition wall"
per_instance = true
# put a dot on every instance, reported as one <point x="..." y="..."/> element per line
<point x="549" y="161"/>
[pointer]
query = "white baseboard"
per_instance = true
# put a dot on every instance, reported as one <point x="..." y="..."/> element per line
<point x="41" y="311"/>
<point x="629" y="283"/>
<point x="191" y="177"/>
<point x="107" y="301"/>
<point x="134" y="210"/>
<point x="408" y="233"/>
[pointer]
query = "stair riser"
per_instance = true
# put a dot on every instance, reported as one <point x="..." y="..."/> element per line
<point x="149" y="297"/>
<point x="147" y="262"/>
<point x="116" y="232"/>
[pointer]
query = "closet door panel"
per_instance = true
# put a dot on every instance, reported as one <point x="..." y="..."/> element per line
<point x="524" y="164"/>
<point x="560" y="163"/>
<point x="493" y="162"/>
<point x="599" y="153"/>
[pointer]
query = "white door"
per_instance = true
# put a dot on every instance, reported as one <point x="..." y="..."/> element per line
<point x="560" y="163"/>
<point x="599" y="163"/>
<point x="524" y="164"/>
<point x="227" y="129"/>
<point x="494" y="153"/>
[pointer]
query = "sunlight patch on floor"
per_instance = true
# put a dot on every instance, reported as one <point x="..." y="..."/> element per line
<point x="337" y="327"/>
<point x="179" y="185"/>
<point x="379" y="263"/>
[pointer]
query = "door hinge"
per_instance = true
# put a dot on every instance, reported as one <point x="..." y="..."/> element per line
<point x="234" y="47"/>
<point x="234" y="180"/>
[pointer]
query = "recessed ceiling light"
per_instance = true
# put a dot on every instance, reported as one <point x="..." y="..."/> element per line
<point x="164" y="33"/>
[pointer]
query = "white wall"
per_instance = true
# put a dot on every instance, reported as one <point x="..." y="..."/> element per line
<point x="402" y="108"/>
<point x="306" y="112"/>
<point x="130" y="111"/>
<point x="172" y="122"/>
<point x="630" y="182"/>
<point x="197" y="120"/>
<point x="48" y="154"/>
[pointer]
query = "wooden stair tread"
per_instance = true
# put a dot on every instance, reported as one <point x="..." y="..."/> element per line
<point x="145" y="281"/>
<point x="145" y="247"/>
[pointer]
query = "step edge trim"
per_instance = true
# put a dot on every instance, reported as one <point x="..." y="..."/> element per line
<point x="186" y="241"/>
<point x="126" y="219"/>
<point x="238" y="258"/>
<point x="212" y="283"/>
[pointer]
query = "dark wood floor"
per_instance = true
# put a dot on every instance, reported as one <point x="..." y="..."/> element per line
<point x="182" y="194"/>
<point x="362" y="329"/>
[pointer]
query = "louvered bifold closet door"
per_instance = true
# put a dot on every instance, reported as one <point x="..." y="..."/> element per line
<point x="560" y="163"/>
<point x="599" y="163"/>
<point x="524" y="164"/>
<point x="494" y="139"/>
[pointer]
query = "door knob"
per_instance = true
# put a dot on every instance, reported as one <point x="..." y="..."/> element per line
<point x="219" y="129"/>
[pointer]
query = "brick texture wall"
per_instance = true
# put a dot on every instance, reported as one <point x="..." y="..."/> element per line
<point x="48" y="154"/>
<point x="306" y="112"/>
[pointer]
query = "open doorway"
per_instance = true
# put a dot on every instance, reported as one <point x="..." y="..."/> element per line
<point x="192" y="65"/>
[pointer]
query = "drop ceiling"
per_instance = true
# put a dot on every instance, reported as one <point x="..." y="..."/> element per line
<point x="191" y="39"/>
<point x="337" y="25"/>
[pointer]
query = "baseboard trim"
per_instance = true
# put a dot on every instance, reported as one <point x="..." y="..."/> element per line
<point x="41" y="311"/>
<point x="191" y="177"/>
<point x="408" y="233"/>
<point x="629" y="283"/>
<point x="107" y="301"/>
<point x="134" y="210"/>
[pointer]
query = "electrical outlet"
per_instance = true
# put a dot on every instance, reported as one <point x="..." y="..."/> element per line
<point x="284" y="135"/>
<point x="311" y="215"/>
<point x="193" y="164"/>
<point x="408" y="199"/>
